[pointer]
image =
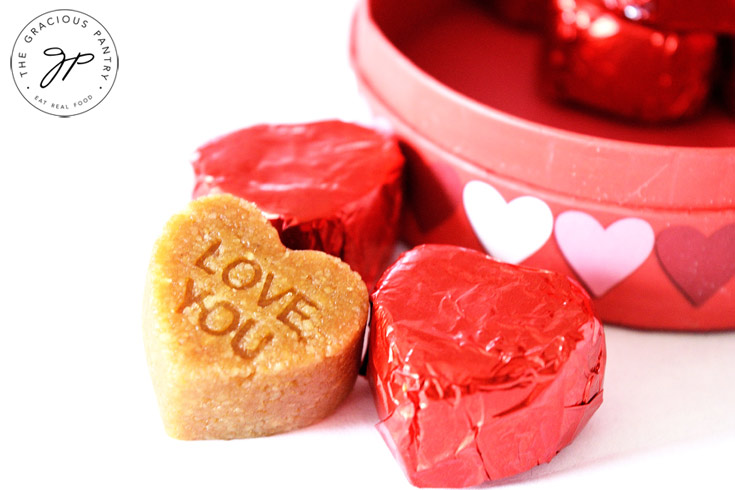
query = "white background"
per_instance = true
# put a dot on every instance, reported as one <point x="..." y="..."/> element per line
<point x="83" y="199"/>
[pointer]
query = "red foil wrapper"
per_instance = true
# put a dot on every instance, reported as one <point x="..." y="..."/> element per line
<point x="682" y="15"/>
<point x="330" y="186"/>
<point x="597" y="59"/>
<point x="480" y="369"/>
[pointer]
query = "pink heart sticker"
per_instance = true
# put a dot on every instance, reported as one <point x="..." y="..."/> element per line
<point x="603" y="257"/>
<point x="697" y="265"/>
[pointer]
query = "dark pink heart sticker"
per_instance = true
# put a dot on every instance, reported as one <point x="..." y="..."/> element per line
<point x="697" y="265"/>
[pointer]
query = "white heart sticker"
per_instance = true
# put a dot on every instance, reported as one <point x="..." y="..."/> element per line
<point x="512" y="231"/>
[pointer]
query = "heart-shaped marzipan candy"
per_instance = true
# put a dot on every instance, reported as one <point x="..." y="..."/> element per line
<point x="244" y="337"/>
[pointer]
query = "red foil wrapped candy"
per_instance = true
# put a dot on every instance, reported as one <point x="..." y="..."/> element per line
<point x="597" y="59"/>
<point x="683" y="15"/>
<point x="330" y="186"/>
<point x="480" y="369"/>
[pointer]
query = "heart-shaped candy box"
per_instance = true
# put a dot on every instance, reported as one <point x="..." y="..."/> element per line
<point x="493" y="165"/>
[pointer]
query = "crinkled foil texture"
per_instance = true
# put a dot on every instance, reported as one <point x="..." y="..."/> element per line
<point x="682" y="15"/>
<point x="480" y="369"/>
<point x="330" y="186"/>
<point x="602" y="61"/>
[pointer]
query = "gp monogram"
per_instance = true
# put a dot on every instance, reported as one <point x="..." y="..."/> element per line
<point x="64" y="62"/>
